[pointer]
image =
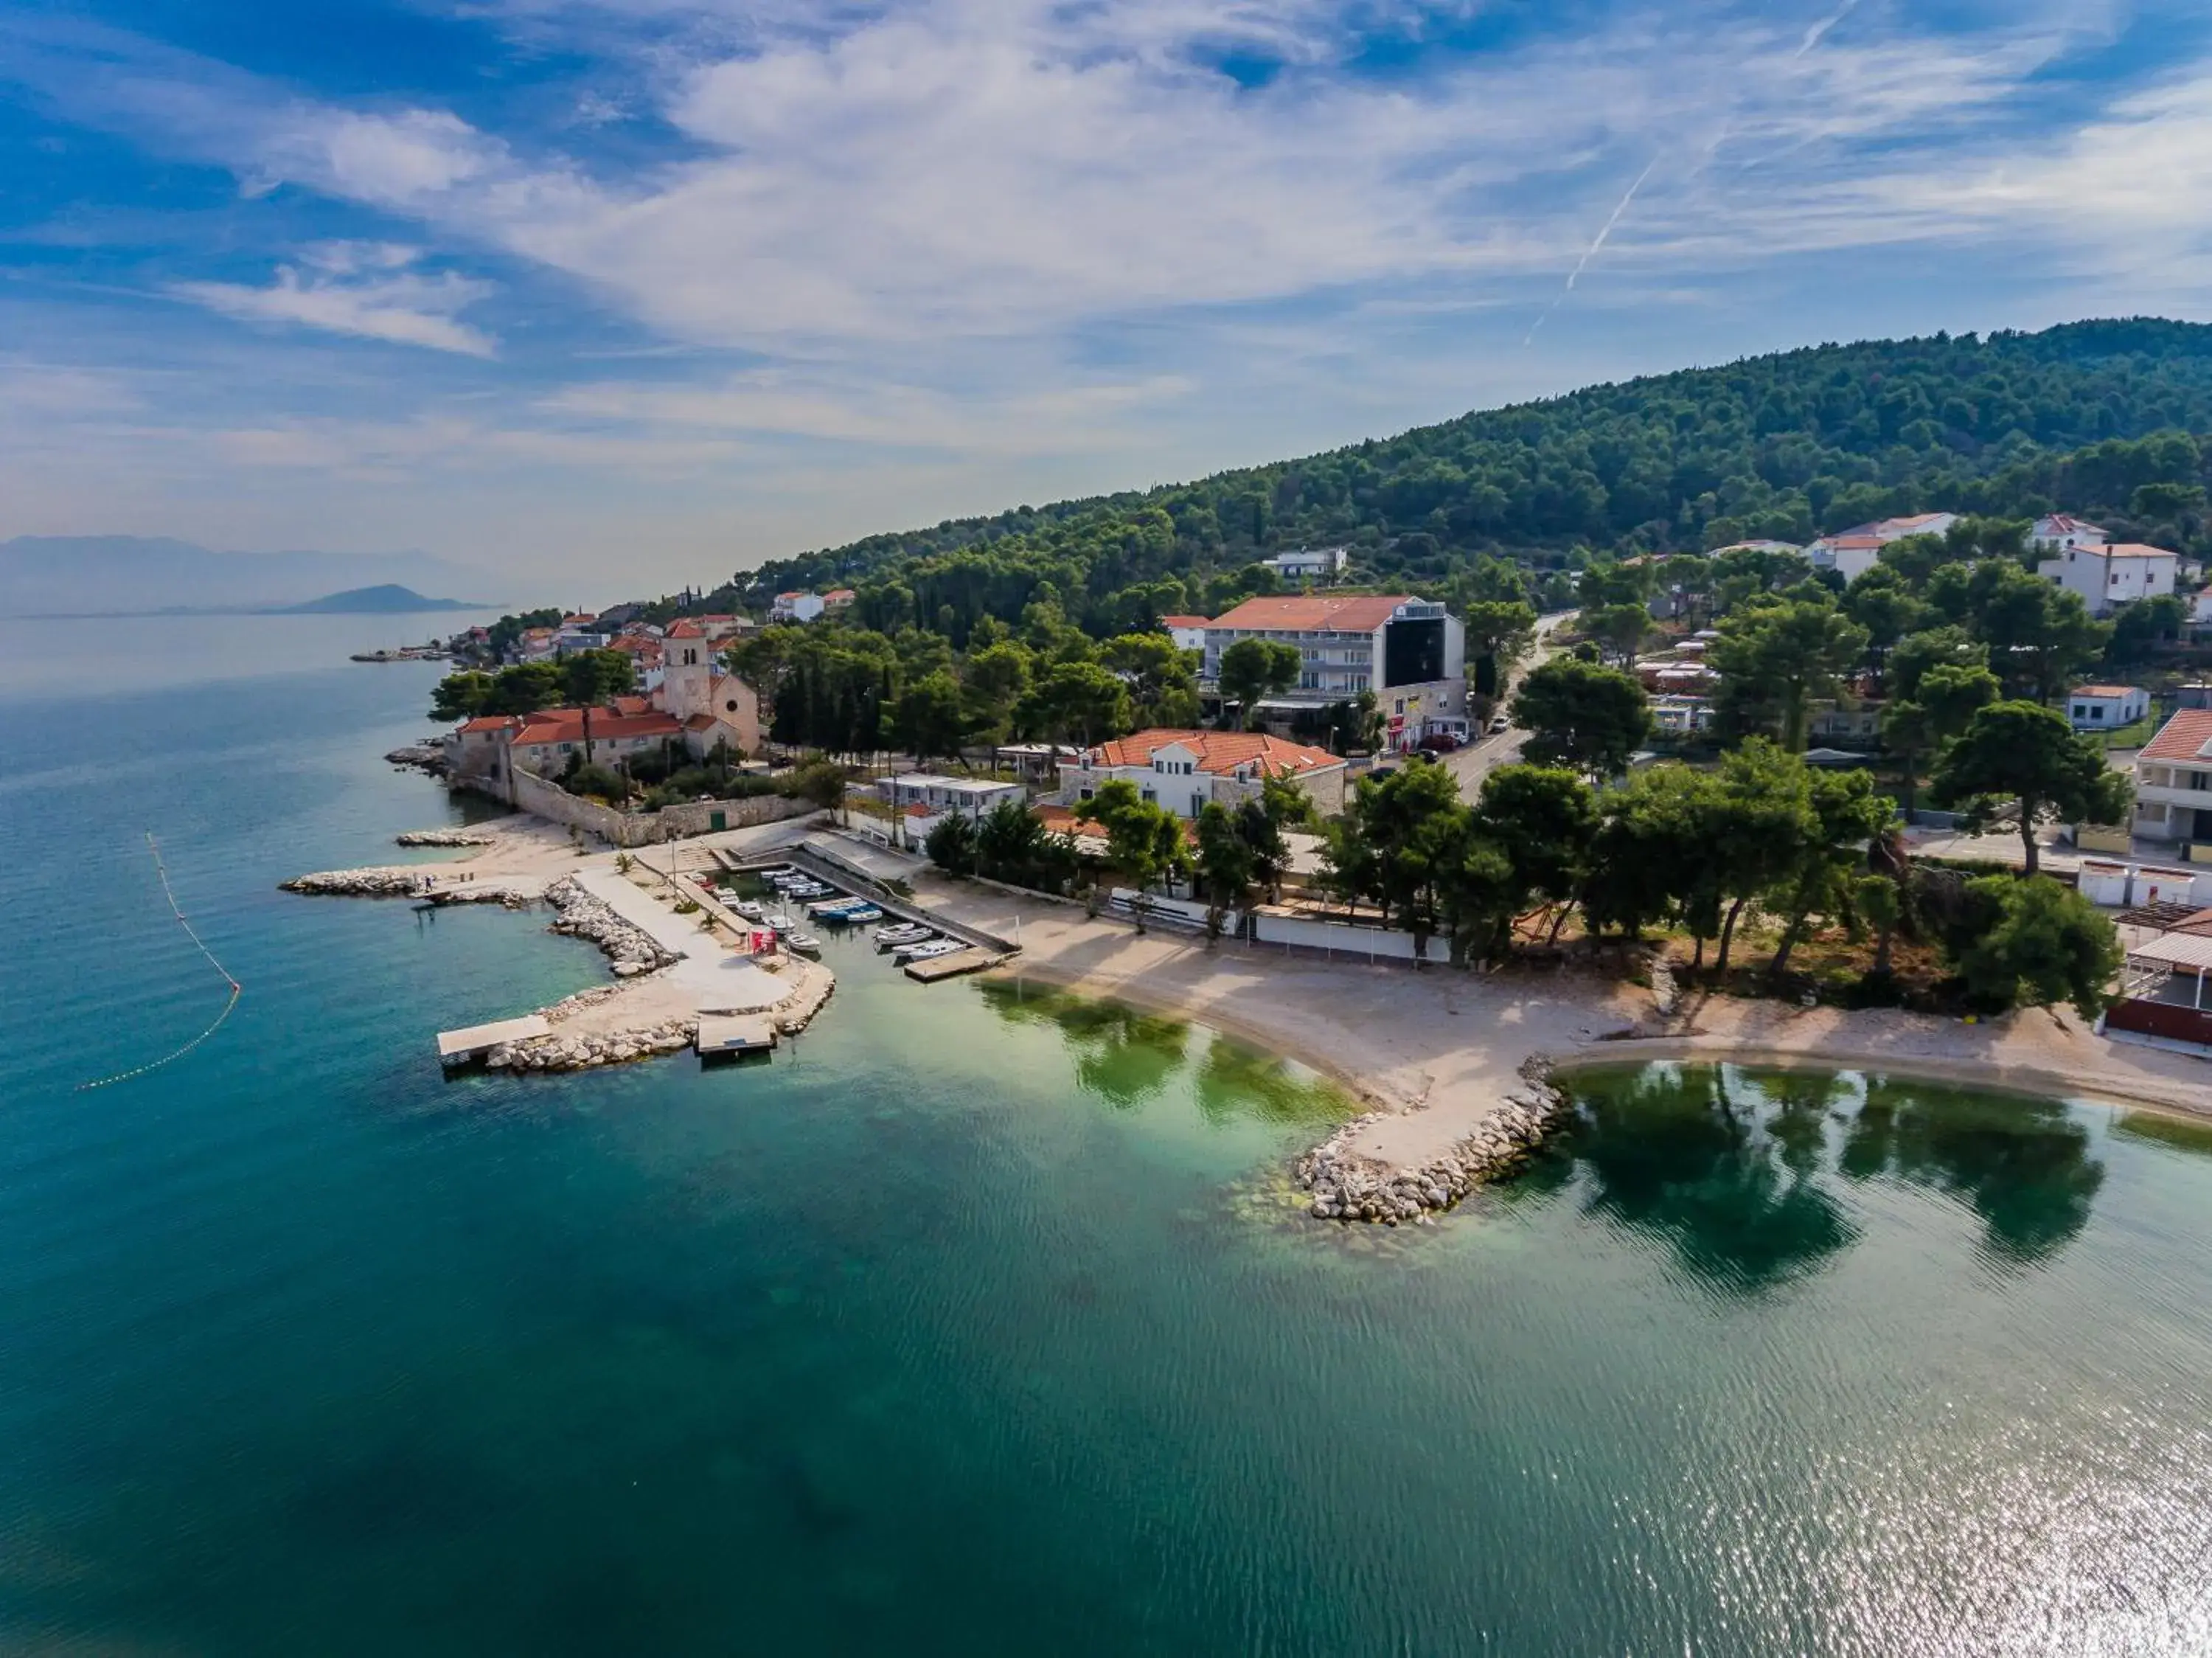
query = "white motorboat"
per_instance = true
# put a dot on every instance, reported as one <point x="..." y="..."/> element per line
<point x="935" y="948"/>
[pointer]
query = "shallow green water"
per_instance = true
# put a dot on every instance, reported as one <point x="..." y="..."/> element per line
<point x="966" y="1324"/>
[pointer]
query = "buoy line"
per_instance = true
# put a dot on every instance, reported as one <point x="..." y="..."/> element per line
<point x="236" y="989"/>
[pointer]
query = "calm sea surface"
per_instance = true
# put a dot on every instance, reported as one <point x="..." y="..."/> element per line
<point x="953" y="1329"/>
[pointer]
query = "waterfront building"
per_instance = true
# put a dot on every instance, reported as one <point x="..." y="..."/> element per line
<point x="715" y="707"/>
<point x="1411" y="653"/>
<point x="1187" y="771"/>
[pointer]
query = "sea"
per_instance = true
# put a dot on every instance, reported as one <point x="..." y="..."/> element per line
<point x="973" y="1322"/>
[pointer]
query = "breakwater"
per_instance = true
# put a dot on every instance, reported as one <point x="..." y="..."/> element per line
<point x="1348" y="1186"/>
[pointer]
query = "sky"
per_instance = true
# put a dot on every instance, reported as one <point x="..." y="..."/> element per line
<point x="635" y="292"/>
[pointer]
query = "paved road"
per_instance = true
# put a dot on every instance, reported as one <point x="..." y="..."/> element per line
<point x="1471" y="764"/>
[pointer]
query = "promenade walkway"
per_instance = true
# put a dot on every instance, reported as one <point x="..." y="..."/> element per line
<point x="717" y="981"/>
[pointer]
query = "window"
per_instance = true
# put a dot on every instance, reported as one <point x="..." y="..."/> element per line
<point x="1152" y="795"/>
<point x="2097" y="713"/>
<point x="2080" y="712"/>
<point x="2200" y="780"/>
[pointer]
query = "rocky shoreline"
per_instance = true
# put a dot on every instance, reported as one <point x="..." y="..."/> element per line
<point x="581" y="916"/>
<point x="426" y="756"/>
<point x="559" y="1052"/>
<point x="444" y="838"/>
<point x="401" y="882"/>
<point x="1346" y="1187"/>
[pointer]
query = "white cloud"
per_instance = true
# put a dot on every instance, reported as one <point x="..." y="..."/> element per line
<point x="363" y="288"/>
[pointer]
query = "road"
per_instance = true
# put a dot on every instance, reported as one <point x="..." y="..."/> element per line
<point x="1471" y="764"/>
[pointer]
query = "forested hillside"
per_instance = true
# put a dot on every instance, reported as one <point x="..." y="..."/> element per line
<point x="2079" y="418"/>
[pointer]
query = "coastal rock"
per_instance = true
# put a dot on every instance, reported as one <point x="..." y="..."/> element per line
<point x="582" y="916"/>
<point x="438" y="887"/>
<point x="1347" y="1185"/>
<point x="428" y="756"/>
<point x="444" y="838"/>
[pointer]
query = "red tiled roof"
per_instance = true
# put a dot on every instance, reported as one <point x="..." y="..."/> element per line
<point x="632" y="706"/>
<point x="686" y="629"/>
<point x="490" y="723"/>
<point x="2065" y="523"/>
<point x="1219" y="753"/>
<point x="2128" y="549"/>
<point x="551" y="725"/>
<point x="1351" y="613"/>
<point x="839" y="596"/>
<point x="2184" y="737"/>
<point x="1185" y="621"/>
<point x="2108" y="690"/>
<point x="1855" y="542"/>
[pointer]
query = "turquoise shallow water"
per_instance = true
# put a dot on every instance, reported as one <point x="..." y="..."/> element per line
<point x="948" y="1331"/>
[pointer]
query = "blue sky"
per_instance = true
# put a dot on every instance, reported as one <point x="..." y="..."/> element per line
<point x="659" y="288"/>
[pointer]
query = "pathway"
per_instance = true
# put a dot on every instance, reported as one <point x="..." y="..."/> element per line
<point x="717" y="981"/>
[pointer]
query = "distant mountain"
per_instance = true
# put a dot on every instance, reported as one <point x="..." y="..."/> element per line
<point x="118" y="575"/>
<point x="388" y="599"/>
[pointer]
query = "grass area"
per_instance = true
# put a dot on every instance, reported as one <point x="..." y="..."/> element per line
<point x="2131" y="736"/>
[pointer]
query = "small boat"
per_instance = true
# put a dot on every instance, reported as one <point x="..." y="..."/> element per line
<point x="749" y="910"/>
<point x="888" y="937"/>
<point x="804" y="943"/>
<point x="861" y="916"/>
<point x="834" y="909"/>
<point x="935" y="948"/>
<point x="780" y="923"/>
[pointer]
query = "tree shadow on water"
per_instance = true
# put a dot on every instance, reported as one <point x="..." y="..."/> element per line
<point x="2022" y="1165"/>
<point x="1124" y="1056"/>
<point x="1723" y="1173"/>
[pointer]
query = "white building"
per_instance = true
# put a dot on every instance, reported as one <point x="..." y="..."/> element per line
<point x="1189" y="632"/>
<point x="2106" y="707"/>
<point x="966" y="797"/>
<point x="2061" y="532"/>
<point x="1853" y="552"/>
<point x="2173" y="780"/>
<point x="1410" y="652"/>
<point x="2108" y="576"/>
<point x="1311" y="563"/>
<point x="1187" y="771"/>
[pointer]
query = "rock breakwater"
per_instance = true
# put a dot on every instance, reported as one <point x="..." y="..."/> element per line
<point x="428" y="756"/>
<point x="1347" y="1186"/>
<point x="582" y="916"/>
<point x="401" y="882"/>
<point x="446" y="838"/>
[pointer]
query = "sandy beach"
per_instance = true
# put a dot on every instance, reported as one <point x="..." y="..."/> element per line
<point x="1434" y="1053"/>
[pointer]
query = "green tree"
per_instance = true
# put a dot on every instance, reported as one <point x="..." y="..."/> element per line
<point x="2029" y="753"/>
<point x="2033" y="943"/>
<point x="1163" y="685"/>
<point x="1255" y="669"/>
<point x="1847" y="815"/>
<point x="1144" y="840"/>
<point x="462" y="695"/>
<point x="1915" y="729"/>
<point x="1544" y="820"/>
<point x="1078" y="702"/>
<point x="589" y="678"/>
<point x="1581" y="716"/>
<point x="1760" y="819"/>
<point x="1224" y="861"/>
<point x="1881" y="602"/>
<point x="1775" y="657"/>
<point x="1916" y="653"/>
<point x="1395" y="842"/>
<point x="994" y="680"/>
<point x="1881" y="902"/>
<point x="931" y="716"/>
<point x="1620" y="630"/>
<point x="1651" y="856"/>
<point x="952" y="845"/>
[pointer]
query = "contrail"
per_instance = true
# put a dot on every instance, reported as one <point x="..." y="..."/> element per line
<point x="1591" y="253"/>
<point x="1815" y="34"/>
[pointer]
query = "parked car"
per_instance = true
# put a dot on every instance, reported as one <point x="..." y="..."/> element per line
<point x="1499" y="722"/>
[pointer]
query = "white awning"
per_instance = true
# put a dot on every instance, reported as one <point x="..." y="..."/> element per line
<point x="2185" y="952"/>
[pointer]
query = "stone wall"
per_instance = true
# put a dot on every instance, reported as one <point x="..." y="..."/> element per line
<point x="552" y="802"/>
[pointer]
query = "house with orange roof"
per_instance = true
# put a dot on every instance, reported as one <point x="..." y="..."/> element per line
<point x="1854" y="551"/>
<point x="1186" y="771"/>
<point x="2173" y="783"/>
<point x="2113" y="573"/>
<point x="1411" y="653"/>
<point x="1189" y="632"/>
<point x="543" y="741"/>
